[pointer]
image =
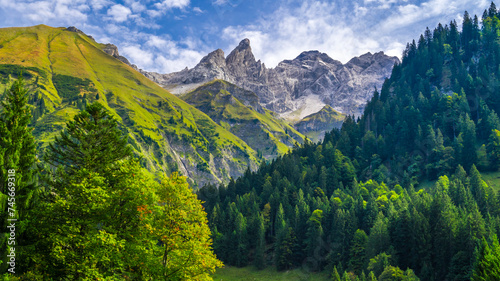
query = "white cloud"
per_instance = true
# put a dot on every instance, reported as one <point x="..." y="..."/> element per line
<point x="119" y="13"/>
<point x="220" y="2"/>
<point x="36" y="12"/>
<point x="169" y="4"/>
<point x="198" y="10"/>
<point x="312" y="26"/>
<point x="136" y="7"/>
<point x="137" y="55"/>
<point x="345" y="31"/>
<point x="99" y="4"/>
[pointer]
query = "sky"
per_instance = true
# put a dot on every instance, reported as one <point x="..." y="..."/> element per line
<point x="169" y="35"/>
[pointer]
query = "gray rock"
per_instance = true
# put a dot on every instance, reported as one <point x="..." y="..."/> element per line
<point x="293" y="84"/>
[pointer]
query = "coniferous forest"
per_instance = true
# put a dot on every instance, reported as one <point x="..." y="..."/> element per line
<point x="352" y="204"/>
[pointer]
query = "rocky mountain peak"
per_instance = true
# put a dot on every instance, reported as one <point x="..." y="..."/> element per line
<point x="74" y="29"/>
<point x="294" y="88"/>
<point x="241" y="55"/>
<point x="315" y="56"/>
<point x="214" y="59"/>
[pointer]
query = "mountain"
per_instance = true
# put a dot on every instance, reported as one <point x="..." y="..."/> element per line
<point x="239" y="111"/>
<point x="401" y="183"/>
<point x="66" y="69"/>
<point x="295" y="88"/>
<point x="317" y="124"/>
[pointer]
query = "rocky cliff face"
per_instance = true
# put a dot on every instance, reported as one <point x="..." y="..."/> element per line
<point x="112" y="50"/>
<point x="295" y="88"/>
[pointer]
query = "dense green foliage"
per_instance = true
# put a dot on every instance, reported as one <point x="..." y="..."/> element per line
<point x="100" y="215"/>
<point x="438" y="109"/>
<point x="349" y="204"/>
<point x="70" y="87"/>
<point x="17" y="152"/>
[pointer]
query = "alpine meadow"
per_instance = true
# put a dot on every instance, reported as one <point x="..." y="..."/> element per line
<point x="381" y="168"/>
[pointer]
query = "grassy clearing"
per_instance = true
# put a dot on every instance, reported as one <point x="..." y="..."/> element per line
<point x="252" y="274"/>
<point x="491" y="178"/>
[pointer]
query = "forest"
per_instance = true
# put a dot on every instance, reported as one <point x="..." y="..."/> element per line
<point x="352" y="204"/>
<point x="87" y="210"/>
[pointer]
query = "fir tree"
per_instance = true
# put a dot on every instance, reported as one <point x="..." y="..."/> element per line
<point x="17" y="154"/>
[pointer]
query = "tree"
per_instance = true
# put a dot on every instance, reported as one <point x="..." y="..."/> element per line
<point x="110" y="219"/>
<point x="493" y="149"/>
<point x="91" y="141"/>
<point x="357" y="251"/>
<point x="335" y="274"/>
<point x="180" y="224"/>
<point x="18" y="154"/>
<point x="260" y="249"/>
<point x="314" y="236"/>
<point x="87" y="229"/>
<point x="488" y="265"/>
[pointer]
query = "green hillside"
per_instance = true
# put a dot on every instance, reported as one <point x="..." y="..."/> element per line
<point x="66" y="70"/>
<point x="317" y="124"/>
<point x="239" y="112"/>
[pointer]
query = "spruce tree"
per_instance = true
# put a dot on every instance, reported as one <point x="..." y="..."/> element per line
<point x="91" y="140"/>
<point x="18" y="154"/>
<point x="488" y="265"/>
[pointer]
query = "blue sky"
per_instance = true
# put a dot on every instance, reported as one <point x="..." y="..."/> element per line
<point x="166" y="36"/>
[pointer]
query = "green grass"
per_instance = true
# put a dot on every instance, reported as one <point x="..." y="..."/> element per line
<point x="267" y="274"/>
<point x="491" y="178"/>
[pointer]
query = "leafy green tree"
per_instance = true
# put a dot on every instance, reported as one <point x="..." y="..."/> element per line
<point x="110" y="219"/>
<point x="180" y="224"/>
<point x="379" y="239"/>
<point x="17" y="153"/>
<point x="379" y="263"/>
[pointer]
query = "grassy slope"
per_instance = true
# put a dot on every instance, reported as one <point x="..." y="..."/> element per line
<point x="267" y="274"/>
<point x="261" y="130"/>
<point x="315" y="125"/>
<point x="134" y="100"/>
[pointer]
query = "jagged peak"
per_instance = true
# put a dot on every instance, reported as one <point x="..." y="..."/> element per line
<point x="242" y="54"/>
<point x="244" y="44"/>
<point x="314" y="55"/>
<point x="216" y="56"/>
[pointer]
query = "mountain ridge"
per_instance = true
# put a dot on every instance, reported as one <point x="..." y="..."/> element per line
<point x="311" y="76"/>
<point x="65" y="70"/>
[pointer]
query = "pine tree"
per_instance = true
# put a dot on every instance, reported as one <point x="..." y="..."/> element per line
<point x="91" y="141"/>
<point x="17" y="155"/>
<point x="488" y="265"/>
<point x="260" y="247"/>
<point x="314" y="236"/>
<point x="493" y="149"/>
<point x="357" y="252"/>
<point x="335" y="274"/>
